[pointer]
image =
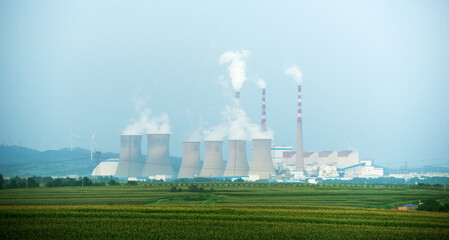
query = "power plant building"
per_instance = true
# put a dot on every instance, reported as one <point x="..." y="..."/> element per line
<point x="106" y="168"/>
<point x="158" y="158"/>
<point x="237" y="164"/>
<point x="130" y="163"/>
<point x="213" y="165"/>
<point x="262" y="163"/>
<point x="191" y="163"/>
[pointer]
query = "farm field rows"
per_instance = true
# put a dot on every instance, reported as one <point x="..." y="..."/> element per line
<point x="227" y="212"/>
<point x="218" y="222"/>
<point x="370" y="197"/>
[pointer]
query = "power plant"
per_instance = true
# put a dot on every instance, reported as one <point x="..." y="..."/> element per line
<point x="130" y="163"/>
<point x="267" y="160"/>
<point x="191" y="163"/>
<point x="213" y="165"/>
<point x="262" y="163"/>
<point x="237" y="164"/>
<point x="158" y="158"/>
<point x="299" y="150"/>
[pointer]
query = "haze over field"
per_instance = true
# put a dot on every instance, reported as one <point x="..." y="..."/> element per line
<point x="374" y="74"/>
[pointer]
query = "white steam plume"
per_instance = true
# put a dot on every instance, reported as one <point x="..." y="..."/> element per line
<point x="236" y="68"/>
<point x="294" y="72"/>
<point x="146" y="124"/>
<point x="236" y="126"/>
<point x="261" y="83"/>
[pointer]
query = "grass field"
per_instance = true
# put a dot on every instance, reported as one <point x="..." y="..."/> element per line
<point x="365" y="197"/>
<point x="217" y="222"/>
<point x="229" y="212"/>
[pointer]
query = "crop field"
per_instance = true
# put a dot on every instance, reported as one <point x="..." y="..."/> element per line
<point x="227" y="212"/>
<point x="217" y="222"/>
<point x="347" y="196"/>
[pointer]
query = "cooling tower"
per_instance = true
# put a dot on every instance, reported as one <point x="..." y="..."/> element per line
<point x="237" y="163"/>
<point x="130" y="163"/>
<point x="158" y="160"/>
<point x="299" y="150"/>
<point x="191" y="163"/>
<point x="213" y="165"/>
<point x="262" y="163"/>
<point x="264" y="116"/>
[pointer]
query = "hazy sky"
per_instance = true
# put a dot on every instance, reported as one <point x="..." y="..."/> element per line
<point x="375" y="73"/>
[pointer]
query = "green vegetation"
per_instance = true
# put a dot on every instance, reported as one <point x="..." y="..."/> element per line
<point x="218" y="222"/>
<point x="220" y="211"/>
<point x="236" y="194"/>
<point x="434" y="205"/>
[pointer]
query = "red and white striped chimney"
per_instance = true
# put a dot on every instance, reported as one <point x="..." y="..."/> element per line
<point x="264" y="113"/>
<point x="299" y="145"/>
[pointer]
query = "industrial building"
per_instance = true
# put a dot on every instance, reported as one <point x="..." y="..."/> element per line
<point x="130" y="163"/>
<point x="325" y="164"/>
<point x="191" y="163"/>
<point x="266" y="159"/>
<point x="106" y="168"/>
<point x="158" y="157"/>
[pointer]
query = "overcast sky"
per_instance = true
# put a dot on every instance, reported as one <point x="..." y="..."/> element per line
<point x="375" y="73"/>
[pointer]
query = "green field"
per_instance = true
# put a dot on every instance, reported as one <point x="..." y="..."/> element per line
<point x="229" y="212"/>
<point x="347" y="196"/>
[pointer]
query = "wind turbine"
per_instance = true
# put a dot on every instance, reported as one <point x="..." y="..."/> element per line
<point x="92" y="143"/>
<point x="71" y="139"/>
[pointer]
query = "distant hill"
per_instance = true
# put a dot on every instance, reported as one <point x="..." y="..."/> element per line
<point x="22" y="161"/>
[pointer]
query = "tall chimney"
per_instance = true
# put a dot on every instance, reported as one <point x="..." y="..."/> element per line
<point x="262" y="163"/>
<point x="264" y="113"/>
<point x="237" y="164"/>
<point x="213" y="165"/>
<point x="158" y="159"/>
<point x="299" y="150"/>
<point x="191" y="163"/>
<point x="130" y="163"/>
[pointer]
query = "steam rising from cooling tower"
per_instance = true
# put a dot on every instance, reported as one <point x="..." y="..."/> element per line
<point x="297" y="76"/>
<point x="213" y="165"/>
<point x="236" y="124"/>
<point x="146" y="123"/>
<point x="158" y="160"/>
<point x="191" y="163"/>
<point x="130" y="163"/>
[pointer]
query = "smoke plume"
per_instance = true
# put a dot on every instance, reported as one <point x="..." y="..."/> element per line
<point x="147" y="124"/>
<point x="236" y="68"/>
<point x="236" y="126"/>
<point x="294" y="72"/>
<point x="261" y="83"/>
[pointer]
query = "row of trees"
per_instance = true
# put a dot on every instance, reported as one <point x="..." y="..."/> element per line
<point x="433" y="205"/>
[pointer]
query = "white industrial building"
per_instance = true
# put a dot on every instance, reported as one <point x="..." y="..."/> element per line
<point x="325" y="164"/>
<point x="106" y="168"/>
<point x="364" y="169"/>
